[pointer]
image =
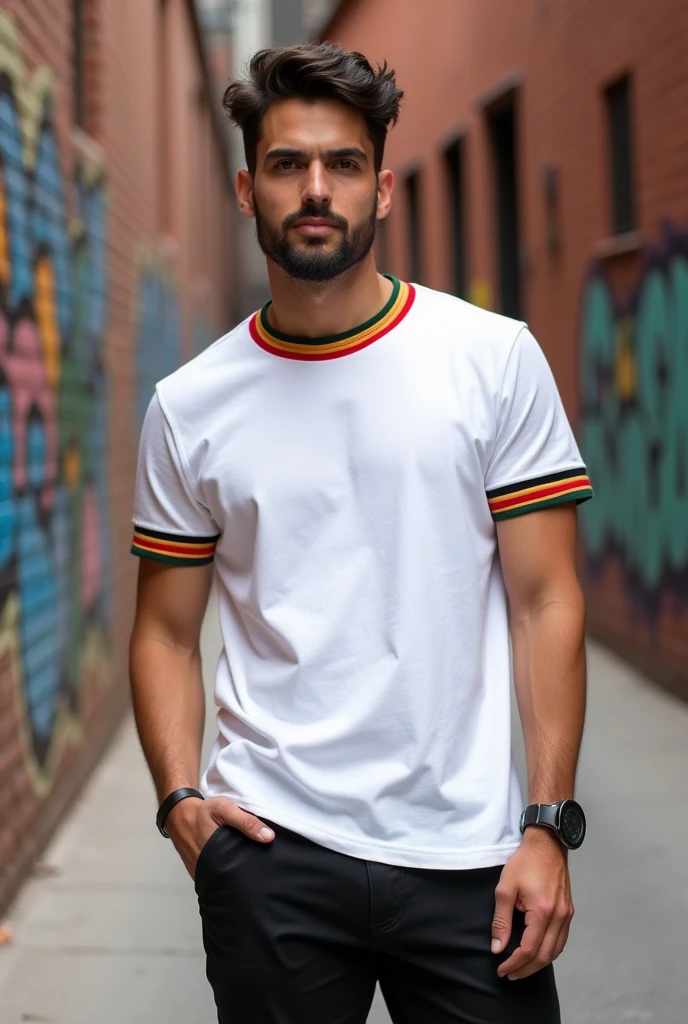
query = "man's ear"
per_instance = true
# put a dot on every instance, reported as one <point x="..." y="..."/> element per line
<point x="385" y="187"/>
<point x="244" y="191"/>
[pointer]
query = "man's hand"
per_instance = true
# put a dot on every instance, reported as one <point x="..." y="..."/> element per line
<point x="534" y="880"/>
<point x="191" y="822"/>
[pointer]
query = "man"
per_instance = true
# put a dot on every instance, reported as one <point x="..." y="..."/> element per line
<point x="357" y="458"/>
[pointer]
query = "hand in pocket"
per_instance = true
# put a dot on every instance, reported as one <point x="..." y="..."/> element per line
<point x="192" y="822"/>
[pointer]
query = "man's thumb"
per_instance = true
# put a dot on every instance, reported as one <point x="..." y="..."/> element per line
<point x="503" y="916"/>
<point x="245" y="821"/>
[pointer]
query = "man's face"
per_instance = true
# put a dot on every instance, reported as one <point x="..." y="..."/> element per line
<point x="315" y="193"/>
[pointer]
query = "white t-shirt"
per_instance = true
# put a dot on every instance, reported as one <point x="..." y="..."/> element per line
<point x="347" y="489"/>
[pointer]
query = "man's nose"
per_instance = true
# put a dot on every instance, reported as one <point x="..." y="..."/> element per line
<point x="317" y="188"/>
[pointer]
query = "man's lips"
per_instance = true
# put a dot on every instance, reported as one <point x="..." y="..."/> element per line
<point x="314" y="226"/>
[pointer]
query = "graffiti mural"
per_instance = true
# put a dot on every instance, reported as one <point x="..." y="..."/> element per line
<point x="634" y="428"/>
<point x="54" y="535"/>
<point x="158" y="331"/>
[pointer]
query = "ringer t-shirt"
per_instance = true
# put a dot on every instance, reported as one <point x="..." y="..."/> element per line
<point x="347" y="490"/>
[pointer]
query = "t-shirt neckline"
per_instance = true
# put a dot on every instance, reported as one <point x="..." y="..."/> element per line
<point x="391" y="314"/>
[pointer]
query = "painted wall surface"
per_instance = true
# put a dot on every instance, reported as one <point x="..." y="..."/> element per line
<point x="634" y="422"/>
<point x="54" y="539"/>
<point x="634" y="437"/>
<point x="611" y="318"/>
<point x="158" y="330"/>
<point x="94" y="309"/>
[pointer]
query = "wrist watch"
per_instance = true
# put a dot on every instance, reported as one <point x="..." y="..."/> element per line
<point x="565" y="818"/>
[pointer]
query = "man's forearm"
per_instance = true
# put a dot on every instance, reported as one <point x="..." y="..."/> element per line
<point x="549" y="676"/>
<point x="169" y="708"/>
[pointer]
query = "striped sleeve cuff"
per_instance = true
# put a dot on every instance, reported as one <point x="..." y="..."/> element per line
<point x="173" y="548"/>
<point x="540" y="492"/>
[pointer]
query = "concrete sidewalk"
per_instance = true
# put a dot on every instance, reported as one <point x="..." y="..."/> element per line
<point x="114" y="935"/>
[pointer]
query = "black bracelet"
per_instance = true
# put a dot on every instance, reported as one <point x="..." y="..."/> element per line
<point x="169" y="802"/>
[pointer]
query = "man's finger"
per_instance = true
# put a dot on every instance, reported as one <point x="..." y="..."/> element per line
<point x="562" y="940"/>
<point x="228" y="813"/>
<point x="505" y="900"/>
<point x="531" y="940"/>
<point x="543" y="956"/>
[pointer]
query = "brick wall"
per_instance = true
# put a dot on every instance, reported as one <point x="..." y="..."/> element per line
<point x="115" y="267"/>
<point x="611" y="313"/>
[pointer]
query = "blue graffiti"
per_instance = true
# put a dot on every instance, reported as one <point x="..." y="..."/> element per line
<point x="54" y="530"/>
<point x="158" y="350"/>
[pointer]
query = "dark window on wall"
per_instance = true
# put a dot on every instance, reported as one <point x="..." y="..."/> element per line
<point x="413" y="226"/>
<point x="78" y="62"/>
<point x="502" y="123"/>
<point x="618" y="102"/>
<point x="454" y="169"/>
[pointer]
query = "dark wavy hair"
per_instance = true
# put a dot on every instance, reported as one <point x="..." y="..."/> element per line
<point x="313" y="71"/>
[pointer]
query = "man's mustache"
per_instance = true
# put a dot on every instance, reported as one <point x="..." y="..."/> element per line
<point x="323" y="213"/>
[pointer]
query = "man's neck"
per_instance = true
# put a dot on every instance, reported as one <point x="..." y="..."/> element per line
<point x="320" y="309"/>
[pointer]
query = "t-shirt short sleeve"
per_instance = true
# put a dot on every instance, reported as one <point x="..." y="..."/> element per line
<point x="170" y="524"/>
<point x="535" y="462"/>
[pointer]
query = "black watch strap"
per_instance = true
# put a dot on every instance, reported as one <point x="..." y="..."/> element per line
<point x="541" y="814"/>
<point x="169" y="802"/>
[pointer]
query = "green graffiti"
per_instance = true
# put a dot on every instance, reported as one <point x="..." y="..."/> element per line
<point x="634" y="428"/>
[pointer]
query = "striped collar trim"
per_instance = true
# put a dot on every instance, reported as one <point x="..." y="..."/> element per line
<point x="392" y="313"/>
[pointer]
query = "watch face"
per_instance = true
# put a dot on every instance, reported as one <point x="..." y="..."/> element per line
<point x="572" y="824"/>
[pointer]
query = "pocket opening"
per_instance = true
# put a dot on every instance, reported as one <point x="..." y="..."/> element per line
<point x="204" y="849"/>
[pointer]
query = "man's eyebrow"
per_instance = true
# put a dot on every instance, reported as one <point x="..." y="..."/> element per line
<point x="334" y="154"/>
<point x="284" y="153"/>
<point x="290" y="154"/>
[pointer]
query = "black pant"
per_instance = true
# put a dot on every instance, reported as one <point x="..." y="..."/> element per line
<point x="296" y="933"/>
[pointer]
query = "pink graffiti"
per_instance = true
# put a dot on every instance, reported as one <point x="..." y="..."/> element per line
<point x="21" y="359"/>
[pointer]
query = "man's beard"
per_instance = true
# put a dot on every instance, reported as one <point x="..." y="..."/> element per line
<point x="312" y="261"/>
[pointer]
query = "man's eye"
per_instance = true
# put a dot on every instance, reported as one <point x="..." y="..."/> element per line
<point x="285" y="165"/>
<point x="346" y="165"/>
